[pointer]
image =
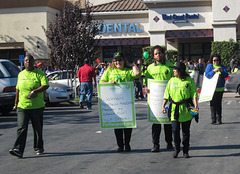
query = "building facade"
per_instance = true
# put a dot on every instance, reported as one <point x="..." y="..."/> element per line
<point x="22" y="25"/>
<point x="188" y="26"/>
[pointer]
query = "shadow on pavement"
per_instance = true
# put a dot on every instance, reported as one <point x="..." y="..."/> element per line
<point x="223" y="147"/>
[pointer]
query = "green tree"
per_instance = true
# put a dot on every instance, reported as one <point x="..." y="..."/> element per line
<point x="226" y="49"/>
<point x="72" y="37"/>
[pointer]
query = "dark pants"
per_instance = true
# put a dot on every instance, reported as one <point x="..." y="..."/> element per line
<point x="185" y="135"/>
<point x="138" y="90"/>
<point x="36" y="117"/>
<point x="156" y="131"/>
<point x="216" y="106"/>
<point x="123" y="136"/>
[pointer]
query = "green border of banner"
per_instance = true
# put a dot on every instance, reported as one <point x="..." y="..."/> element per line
<point x="156" y="120"/>
<point x="209" y="97"/>
<point x="113" y="125"/>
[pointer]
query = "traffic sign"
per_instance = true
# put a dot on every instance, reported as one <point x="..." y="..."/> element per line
<point x="21" y="58"/>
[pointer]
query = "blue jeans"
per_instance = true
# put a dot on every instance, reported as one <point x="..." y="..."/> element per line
<point x="86" y="89"/>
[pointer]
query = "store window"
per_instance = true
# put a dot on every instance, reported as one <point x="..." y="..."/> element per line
<point x="108" y="52"/>
<point x="12" y="54"/>
<point x="194" y="51"/>
<point x="132" y="53"/>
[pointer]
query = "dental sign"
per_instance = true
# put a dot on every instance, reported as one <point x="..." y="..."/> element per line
<point x="180" y="18"/>
<point x="120" y="27"/>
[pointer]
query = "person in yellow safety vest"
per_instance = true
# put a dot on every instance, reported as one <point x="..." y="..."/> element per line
<point x="159" y="70"/>
<point x="181" y="91"/>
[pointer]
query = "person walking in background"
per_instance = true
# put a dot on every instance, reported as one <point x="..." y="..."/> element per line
<point x="138" y="82"/>
<point x="181" y="91"/>
<point x="29" y="103"/>
<point x="120" y="71"/>
<point x="86" y="75"/>
<point x="232" y="62"/>
<point x="216" y="103"/>
<point x="200" y="69"/>
<point x="160" y="70"/>
<point x="235" y="68"/>
<point x="49" y="70"/>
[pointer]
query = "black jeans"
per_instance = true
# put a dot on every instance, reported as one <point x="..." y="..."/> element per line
<point x="36" y="117"/>
<point x="123" y="136"/>
<point x="138" y="90"/>
<point x="216" y="106"/>
<point x="156" y="131"/>
<point x="185" y="134"/>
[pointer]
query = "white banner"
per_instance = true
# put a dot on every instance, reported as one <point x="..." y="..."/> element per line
<point x="194" y="75"/>
<point x="208" y="88"/>
<point x="116" y="105"/>
<point x="155" y="101"/>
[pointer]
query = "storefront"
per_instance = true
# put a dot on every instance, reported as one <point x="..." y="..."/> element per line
<point x="187" y="26"/>
<point x="125" y="29"/>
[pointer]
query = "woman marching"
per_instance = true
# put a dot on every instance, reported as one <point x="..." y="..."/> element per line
<point x="120" y="71"/>
<point x="181" y="92"/>
<point x="216" y="103"/>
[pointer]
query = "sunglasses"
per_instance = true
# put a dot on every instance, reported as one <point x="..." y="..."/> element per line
<point x="117" y="60"/>
<point x="216" y="60"/>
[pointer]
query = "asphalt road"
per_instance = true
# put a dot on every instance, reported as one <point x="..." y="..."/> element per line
<point x="74" y="144"/>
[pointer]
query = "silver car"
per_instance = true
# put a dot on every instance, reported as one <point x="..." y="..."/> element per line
<point x="57" y="93"/>
<point x="8" y="81"/>
<point x="233" y="83"/>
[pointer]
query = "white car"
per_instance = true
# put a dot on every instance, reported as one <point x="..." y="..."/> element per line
<point x="57" y="93"/>
<point x="61" y="78"/>
<point x="8" y="81"/>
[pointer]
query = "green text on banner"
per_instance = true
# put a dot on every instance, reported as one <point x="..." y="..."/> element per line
<point x="116" y="105"/>
<point x="208" y="88"/>
<point x="155" y="101"/>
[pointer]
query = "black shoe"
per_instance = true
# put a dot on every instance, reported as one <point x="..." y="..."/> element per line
<point x="39" y="152"/>
<point x="81" y="105"/>
<point x="127" y="148"/>
<point x="169" y="146"/>
<point x="186" y="155"/>
<point x="220" y="122"/>
<point x="175" y="153"/>
<point x="16" y="152"/>
<point x="155" y="149"/>
<point x="213" y="122"/>
<point x="120" y="149"/>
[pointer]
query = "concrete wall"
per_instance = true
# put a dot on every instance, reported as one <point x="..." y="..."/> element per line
<point x="25" y="25"/>
<point x="225" y="23"/>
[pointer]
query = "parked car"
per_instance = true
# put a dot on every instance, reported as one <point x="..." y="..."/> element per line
<point x="61" y="78"/>
<point x="233" y="83"/>
<point x="8" y="81"/>
<point x="57" y="93"/>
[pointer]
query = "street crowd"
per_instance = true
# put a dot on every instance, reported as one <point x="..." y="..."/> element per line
<point x="181" y="93"/>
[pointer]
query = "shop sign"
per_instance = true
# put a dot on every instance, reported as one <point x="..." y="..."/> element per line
<point x="120" y="27"/>
<point x="180" y="18"/>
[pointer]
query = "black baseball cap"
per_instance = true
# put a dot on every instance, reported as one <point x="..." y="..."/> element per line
<point x="179" y="66"/>
<point x="118" y="55"/>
